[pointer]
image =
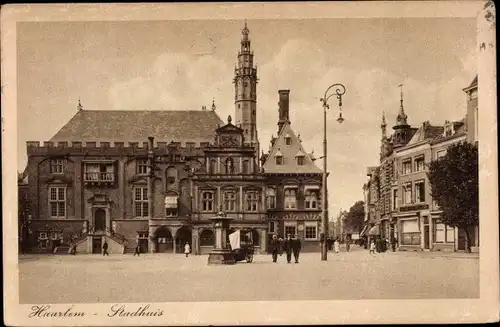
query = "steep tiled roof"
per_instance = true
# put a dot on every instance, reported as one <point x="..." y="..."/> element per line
<point x="426" y="132"/>
<point x="136" y="126"/>
<point x="289" y="153"/>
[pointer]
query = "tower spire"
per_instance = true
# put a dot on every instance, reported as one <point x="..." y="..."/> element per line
<point x="213" y="104"/>
<point x="401" y="119"/>
<point x="383" y="126"/>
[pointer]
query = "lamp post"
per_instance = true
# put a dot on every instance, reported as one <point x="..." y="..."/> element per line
<point x="338" y="90"/>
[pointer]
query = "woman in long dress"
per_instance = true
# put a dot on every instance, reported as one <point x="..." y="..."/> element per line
<point x="336" y="246"/>
<point x="187" y="249"/>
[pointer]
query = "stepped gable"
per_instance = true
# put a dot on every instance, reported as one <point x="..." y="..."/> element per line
<point x="137" y="126"/>
<point x="289" y="154"/>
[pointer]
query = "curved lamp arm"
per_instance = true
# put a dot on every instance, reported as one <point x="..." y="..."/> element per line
<point x="339" y="92"/>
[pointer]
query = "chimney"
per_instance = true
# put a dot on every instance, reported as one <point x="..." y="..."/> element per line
<point x="283" y="108"/>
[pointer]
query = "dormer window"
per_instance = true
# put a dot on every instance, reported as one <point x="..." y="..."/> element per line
<point x="448" y="129"/>
<point x="288" y="139"/>
<point x="300" y="158"/>
<point x="279" y="157"/>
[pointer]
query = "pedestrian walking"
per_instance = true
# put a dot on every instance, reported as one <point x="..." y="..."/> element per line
<point x="336" y="246"/>
<point x="137" y="250"/>
<point x="275" y="248"/>
<point x="288" y="248"/>
<point x="105" y="248"/>
<point x="187" y="249"/>
<point x="372" y="247"/>
<point x="297" y="246"/>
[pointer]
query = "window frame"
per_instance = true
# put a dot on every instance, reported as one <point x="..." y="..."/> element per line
<point x="279" y="160"/>
<point x="300" y="160"/>
<point x="443" y="152"/>
<point x="286" y="198"/>
<point x="58" y="201"/>
<point x="207" y="202"/>
<point x="312" y="197"/>
<point x="407" y="187"/>
<point x="141" y="205"/>
<point x="309" y="225"/>
<point x="57" y="166"/>
<point x="290" y="224"/>
<point x="406" y="163"/>
<point x="270" y="196"/>
<point x="421" y="191"/>
<point x="251" y="201"/>
<point x="140" y="165"/>
<point x="229" y="200"/>
<point x="417" y="161"/>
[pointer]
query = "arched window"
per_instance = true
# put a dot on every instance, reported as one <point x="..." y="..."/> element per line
<point x="207" y="238"/>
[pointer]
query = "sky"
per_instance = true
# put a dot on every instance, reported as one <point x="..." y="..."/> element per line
<point x="184" y="65"/>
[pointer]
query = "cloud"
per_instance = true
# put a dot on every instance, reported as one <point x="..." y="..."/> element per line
<point x="179" y="81"/>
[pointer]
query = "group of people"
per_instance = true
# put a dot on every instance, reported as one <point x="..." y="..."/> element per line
<point x="289" y="246"/>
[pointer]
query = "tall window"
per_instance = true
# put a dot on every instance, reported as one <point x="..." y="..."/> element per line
<point x="311" y="199"/>
<point x="207" y="201"/>
<point x="57" y="166"/>
<point x="290" y="198"/>
<point x="141" y="202"/>
<point x="311" y="230"/>
<point x="394" y="199"/>
<point x="420" y="191"/>
<point x="230" y="201"/>
<point x="419" y="163"/>
<point x="252" y="201"/>
<point x="57" y="202"/>
<point x="142" y="167"/>
<point x="406" y="166"/>
<point x="407" y="194"/>
<point x="271" y="198"/>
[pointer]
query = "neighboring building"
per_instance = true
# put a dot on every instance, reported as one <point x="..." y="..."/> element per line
<point x="398" y="191"/>
<point x="293" y="190"/>
<point x="339" y="226"/>
<point x="472" y="111"/>
<point x="92" y="181"/>
<point x="24" y="216"/>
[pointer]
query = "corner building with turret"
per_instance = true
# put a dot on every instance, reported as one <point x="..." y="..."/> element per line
<point x="100" y="178"/>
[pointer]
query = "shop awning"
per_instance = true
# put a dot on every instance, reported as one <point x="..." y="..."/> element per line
<point x="375" y="230"/>
<point x="171" y="201"/>
<point x="363" y="231"/>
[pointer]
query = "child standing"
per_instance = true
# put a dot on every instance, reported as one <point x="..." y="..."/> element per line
<point x="372" y="247"/>
<point x="336" y="246"/>
<point x="187" y="249"/>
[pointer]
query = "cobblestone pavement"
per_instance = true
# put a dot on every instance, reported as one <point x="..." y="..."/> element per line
<point x="168" y="277"/>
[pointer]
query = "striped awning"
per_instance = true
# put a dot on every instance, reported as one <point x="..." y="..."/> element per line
<point x="375" y="230"/>
<point x="363" y="231"/>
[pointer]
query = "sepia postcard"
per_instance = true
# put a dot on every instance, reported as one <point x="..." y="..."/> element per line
<point x="249" y="163"/>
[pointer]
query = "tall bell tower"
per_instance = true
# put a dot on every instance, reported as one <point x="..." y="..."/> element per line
<point x="245" y="91"/>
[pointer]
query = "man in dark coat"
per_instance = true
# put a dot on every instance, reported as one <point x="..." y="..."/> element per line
<point x="275" y="247"/>
<point x="288" y="248"/>
<point x="105" y="248"/>
<point x="297" y="246"/>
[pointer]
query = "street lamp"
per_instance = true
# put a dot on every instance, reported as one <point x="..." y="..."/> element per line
<point x="337" y="90"/>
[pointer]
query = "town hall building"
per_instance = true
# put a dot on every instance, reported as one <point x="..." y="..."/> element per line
<point x="155" y="178"/>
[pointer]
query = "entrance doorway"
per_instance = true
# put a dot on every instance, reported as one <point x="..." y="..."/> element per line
<point x="100" y="220"/>
<point x="427" y="246"/>
<point x="96" y="245"/>
<point x="183" y="235"/>
<point x="164" y="240"/>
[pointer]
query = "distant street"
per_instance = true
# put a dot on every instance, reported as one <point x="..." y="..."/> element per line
<point x="168" y="277"/>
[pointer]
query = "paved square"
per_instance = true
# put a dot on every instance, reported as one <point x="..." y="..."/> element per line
<point x="167" y="277"/>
